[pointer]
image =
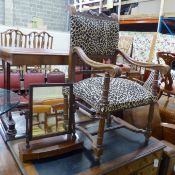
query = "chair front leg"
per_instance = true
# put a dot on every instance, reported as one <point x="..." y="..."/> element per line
<point x="99" y="149"/>
<point x="46" y="122"/>
<point x="149" y="124"/>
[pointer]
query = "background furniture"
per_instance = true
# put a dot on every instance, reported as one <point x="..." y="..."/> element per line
<point x="29" y="56"/>
<point x="14" y="82"/>
<point x="168" y="84"/>
<point x="163" y="128"/>
<point x="56" y="76"/>
<point x="8" y="101"/>
<point x="42" y="109"/>
<point x="15" y="38"/>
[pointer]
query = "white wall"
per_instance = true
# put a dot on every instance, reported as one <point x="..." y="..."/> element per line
<point x="169" y="6"/>
<point x="153" y="7"/>
<point x="147" y="7"/>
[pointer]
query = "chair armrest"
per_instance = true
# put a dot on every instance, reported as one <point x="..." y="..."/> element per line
<point x="162" y="68"/>
<point x="114" y="70"/>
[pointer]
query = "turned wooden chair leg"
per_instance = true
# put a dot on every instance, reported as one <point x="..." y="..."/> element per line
<point x="109" y="120"/>
<point x="46" y="123"/>
<point x="37" y="117"/>
<point x="149" y="124"/>
<point x="99" y="149"/>
<point x="56" y="120"/>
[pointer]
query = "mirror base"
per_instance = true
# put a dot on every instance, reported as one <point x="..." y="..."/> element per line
<point x="48" y="147"/>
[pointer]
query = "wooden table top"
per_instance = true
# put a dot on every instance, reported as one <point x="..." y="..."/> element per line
<point x="33" y="56"/>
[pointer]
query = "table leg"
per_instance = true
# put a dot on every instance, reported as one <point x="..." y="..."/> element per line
<point x="7" y="76"/>
<point x="4" y="70"/>
<point x="11" y="130"/>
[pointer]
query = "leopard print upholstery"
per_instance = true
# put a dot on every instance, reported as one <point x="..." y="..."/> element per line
<point x="149" y="82"/>
<point x="96" y="35"/>
<point x="123" y="94"/>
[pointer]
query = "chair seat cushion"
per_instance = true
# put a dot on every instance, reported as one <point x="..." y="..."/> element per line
<point x="123" y="94"/>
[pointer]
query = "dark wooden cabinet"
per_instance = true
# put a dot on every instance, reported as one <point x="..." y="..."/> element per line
<point x="142" y="161"/>
<point x="145" y="165"/>
<point x="167" y="166"/>
<point x="124" y="154"/>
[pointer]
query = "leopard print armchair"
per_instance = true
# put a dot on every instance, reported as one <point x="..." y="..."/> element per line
<point x="107" y="94"/>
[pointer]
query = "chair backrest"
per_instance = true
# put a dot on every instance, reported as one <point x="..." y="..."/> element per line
<point x="56" y="76"/>
<point x="33" y="78"/>
<point x="16" y="38"/>
<point x="1" y="80"/>
<point x="169" y="59"/>
<point x="43" y="40"/>
<point x="96" y="34"/>
<point x="14" y="81"/>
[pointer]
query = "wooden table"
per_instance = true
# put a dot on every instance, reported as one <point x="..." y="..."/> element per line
<point x="124" y="154"/>
<point x="17" y="56"/>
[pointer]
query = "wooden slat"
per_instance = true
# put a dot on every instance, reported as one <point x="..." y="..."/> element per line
<point x="1" y="39"/>
<point x="43" y="41"/>
<point x="51" y="42"/>
<point x="38" y="42"/>
<point x="16" y="36"/>
<point x="5" y="39"/>
<point x="10" y="39"/>
<point x="29" y="42"/>
<point x="20" y="40"/>
<point x="48" y="42"/>
<point x="25" y="42"/>
<point x="34" y="41"/>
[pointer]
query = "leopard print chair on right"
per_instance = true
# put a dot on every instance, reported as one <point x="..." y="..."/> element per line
<point x="94" y="37"/>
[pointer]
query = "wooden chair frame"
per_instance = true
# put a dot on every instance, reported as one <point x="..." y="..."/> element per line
<point x="112" y="71"/>
<point x="169" y="86"/>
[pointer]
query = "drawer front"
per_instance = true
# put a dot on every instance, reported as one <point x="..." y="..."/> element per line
<point x="137" y="166"/>
<point x="149" y="170"/>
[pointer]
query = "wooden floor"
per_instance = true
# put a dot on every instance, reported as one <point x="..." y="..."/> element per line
<point x="7" y="164"/>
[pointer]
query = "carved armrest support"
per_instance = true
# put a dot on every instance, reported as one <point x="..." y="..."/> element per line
<point x="113" y="70"/>
<point x="159" y="67"/>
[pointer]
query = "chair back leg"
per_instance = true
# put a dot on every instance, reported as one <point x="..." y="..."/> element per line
<point x="149" y="123"/>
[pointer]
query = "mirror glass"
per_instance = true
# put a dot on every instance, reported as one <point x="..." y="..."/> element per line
<point x="49" y="113"/>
